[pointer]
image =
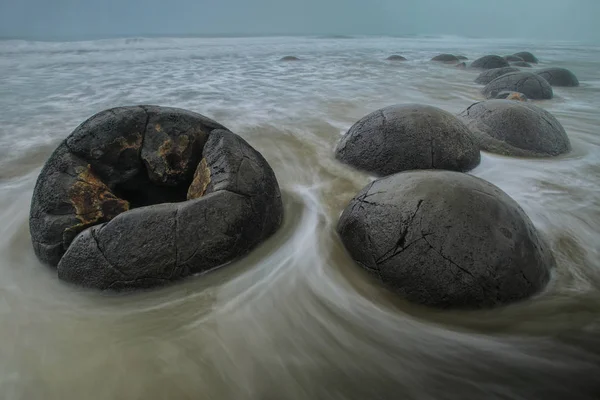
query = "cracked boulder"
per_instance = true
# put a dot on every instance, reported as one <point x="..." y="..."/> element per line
<point x="515" y="128"/>
<point x="559" y="77"/>
<point x="489" y="75"/>
<point x="140" y="196"/>
<point x="445" y="239"/>
<point x="489" y="62"/>
<point x="527" y="56"/>
<point x="405" y="137"/>
<point x="531" y="85"/>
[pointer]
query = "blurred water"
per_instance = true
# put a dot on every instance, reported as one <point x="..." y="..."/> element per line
<point x="296" y="319"/>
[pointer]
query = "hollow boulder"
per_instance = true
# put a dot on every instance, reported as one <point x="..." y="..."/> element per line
<point x="559" y="77"/>
<point x="527" y="56"/>
<point x="446" y="240"/>
<point x="141" y="196"/>
<point x="531" y="85"/>
<point x="404" y="137"/>
<point x="514" y="128"/>
<point x="489" y="75"/>
<point x="489" y="62"/>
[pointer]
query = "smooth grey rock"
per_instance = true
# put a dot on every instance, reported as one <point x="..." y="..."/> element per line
<point x="523" y="64"/>
<point x="446" y="240"/>
<point x="446" y="58"/>
<point x="515" y="128"/>
<point x="222" y="199"/>
<point x="527" y="56"/>
<point x="489" y="62"/>
<point x="404" y="137"/>
<point x="512" y="57"/>
<point x="530" y="84"/>
<point x="489" y="75"/>
<point x="559" y="77"/>
<point x="396" y="57"/>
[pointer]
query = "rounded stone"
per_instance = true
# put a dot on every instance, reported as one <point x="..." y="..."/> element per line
<point x="489" y="75"/>
<point x="514" y="128"/>
<point x="462" y="57"/>
<point x="530" y="84"/>
<point x="513" y="58"/>
<point x="405" y="137"/>
<point x="140" y="196"/>
<point x="446" y="58"/>
<point x="523" y="64"/>
<point x="527" y="56"/>
<point x="489" y="62"/>
<point x="446" y="240"/>
<point x="289" y="58"/>
<point x="512" y="96"/>
<point x="559" y="77"/>
<point x="396" y="57"/>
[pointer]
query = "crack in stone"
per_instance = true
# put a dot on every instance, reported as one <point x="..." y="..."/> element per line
<point x="399" y="246"/>
<point x="93" y="235"/>
<point x="466" y="271"/>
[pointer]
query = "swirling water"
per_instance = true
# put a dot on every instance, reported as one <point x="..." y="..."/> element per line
<point x="296" y="319"/>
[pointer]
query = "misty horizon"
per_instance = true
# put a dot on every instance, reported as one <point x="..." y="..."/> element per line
<point x="534" y="19"/>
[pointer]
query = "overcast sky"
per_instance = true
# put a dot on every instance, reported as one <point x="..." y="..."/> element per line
<point x="552" y="19"/>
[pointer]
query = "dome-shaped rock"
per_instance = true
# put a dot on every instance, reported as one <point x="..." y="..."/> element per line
<point x="404" y="137"/>
<point x="489" y="62"/>
<point x="446" y="58"/>
<point x="396" y="57"/>
<point x="289" y="58"/>
<point x="530" y="84"/>
<point x="559" y="77"/>
<point x="514" y="128"/>
<point x="527" y="56"/>
<point x="513" y="58"/>
<point x="446" y="240"/>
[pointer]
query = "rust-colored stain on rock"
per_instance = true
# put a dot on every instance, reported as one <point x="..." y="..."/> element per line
<point x="200" y="182"/>
<point x="93" y="201"/>
<point x="516" y="97"/>
<point x="173" y="151"/>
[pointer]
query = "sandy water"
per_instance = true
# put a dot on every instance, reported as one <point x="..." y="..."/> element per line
<point x="296" y="319"/>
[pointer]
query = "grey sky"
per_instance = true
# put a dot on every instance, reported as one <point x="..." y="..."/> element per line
<point x="552" y="19"/>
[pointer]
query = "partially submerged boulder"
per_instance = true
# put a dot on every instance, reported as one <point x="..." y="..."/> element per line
<point x="404" y="137"/>
<point x="141" y="196"/>
<point x="489" y="75"/>
<point x="514" y="128"/>
<point x="446" y="58"/>
<point x="527" y="56"/>
<point x="446" y="240"/>
<point x="462" y="57"/>
<point x="523" y="64"/>
<point x="396" y="57"/>
<point x="512" y="96"/>
<point x="559" y="77"/>
<point x="530" y="84"/>
<point x="513" y="58"/>
<point x="489" y="62"/>
<point x="289" y="58"/>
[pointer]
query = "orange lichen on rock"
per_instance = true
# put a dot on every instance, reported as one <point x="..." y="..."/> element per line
<point x="200" y="182"/>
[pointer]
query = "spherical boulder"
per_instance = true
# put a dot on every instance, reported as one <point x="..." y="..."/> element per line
<point x="140" y="196"/>
<point x="512" y="96"/>
<point x="523" y="64"/>
<point x="446" y="58"/>
<point x="530" y="84"/>
<point x="513" y="58"/>
<point x="559" y="77"/>
<point x="396" y="57"/>
<point x="514" y="128"/>
<point x="462" y="57"/>
<point x="446" y="240"/>
<point x="489" y="75"/>
<point x="489" y="62"/>
<point x="289" y="58"/>
<point x="527" y="56"/>
<point x="405" y="137"/>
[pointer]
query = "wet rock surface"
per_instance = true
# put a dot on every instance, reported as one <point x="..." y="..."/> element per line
<point x="405" y="137"/>
<point x="530" y="84"/>
<point x="558" y="76"/>
<point x="139" y="196"/>
<point x="514" y="128"/>
<point x="487" y="76"/>
<point x="446" y="240"/>
<point x="489" y="62"/>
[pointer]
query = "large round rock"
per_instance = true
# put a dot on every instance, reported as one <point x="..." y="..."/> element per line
<point x="531" y="85"/>
<point x="446" y="58"/>
<point x="516" y="128"/>
<point x="559" y="77"/>
<point x="527" y="56"/>
<point x="140" y="196"/>
<point x="445" y="239"/>
<point x="404" y="137"/>
<point x="489" y="75"/>
<point x="489" y="62"/>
